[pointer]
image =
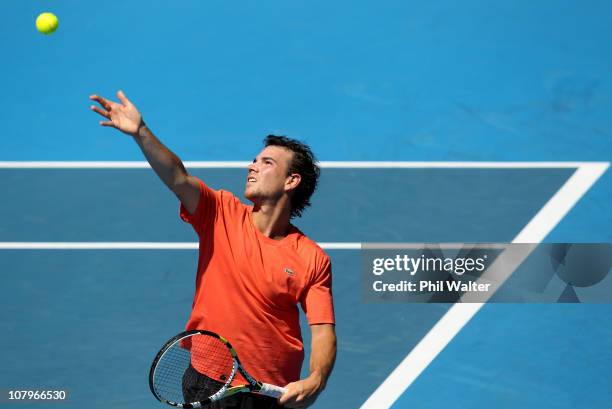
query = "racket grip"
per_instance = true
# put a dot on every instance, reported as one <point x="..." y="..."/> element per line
<point x="272" y="390"/>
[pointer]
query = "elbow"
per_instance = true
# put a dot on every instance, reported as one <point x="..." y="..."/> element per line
<point x="333" y="342"/>
<point x="179" y="182"/>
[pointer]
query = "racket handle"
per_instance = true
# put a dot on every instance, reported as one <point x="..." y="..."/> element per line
<point x="272" y="390"/>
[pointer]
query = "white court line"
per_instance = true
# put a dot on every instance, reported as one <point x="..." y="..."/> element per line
<point x="460" y="314"/>
<point x="323" y="164"/>
<point x="129" y="245"/>
<point x="240" y="164"/>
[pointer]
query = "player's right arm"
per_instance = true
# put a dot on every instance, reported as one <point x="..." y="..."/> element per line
<point x="125" y="117"/>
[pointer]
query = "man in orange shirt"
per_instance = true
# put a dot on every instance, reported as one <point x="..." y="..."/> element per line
<point x="254" y="266"/>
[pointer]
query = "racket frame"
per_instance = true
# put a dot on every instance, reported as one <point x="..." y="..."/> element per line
<point x="225" y="391"/>
<point x="166" y="347"/>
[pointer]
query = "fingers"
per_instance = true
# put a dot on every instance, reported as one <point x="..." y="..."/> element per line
<point x="123" y="98"/>
<point x="105" y="103"/>
<point x="105" y="114"/>
<point x="289" y="398"/>
<point x="284" y="398"/>
<point x="298" y="395"/>
<point x="107" y="123"/>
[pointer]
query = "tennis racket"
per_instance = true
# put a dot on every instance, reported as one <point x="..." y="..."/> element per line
<point x="197" y="367"/>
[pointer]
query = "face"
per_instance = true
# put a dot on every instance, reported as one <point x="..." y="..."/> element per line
<point x="267" y="176"/>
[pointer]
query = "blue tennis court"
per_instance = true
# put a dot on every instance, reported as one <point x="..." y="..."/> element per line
<point x="434" y="122"/>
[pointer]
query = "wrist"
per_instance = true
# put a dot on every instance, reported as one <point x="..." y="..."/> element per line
<point x="141" y="131"/>
<point x="317" y="380"/>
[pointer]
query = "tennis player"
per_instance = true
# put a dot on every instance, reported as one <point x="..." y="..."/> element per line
<point x="254" y="266"/>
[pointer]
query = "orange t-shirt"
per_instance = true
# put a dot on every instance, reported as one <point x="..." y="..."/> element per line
<point x="248" y="286"/>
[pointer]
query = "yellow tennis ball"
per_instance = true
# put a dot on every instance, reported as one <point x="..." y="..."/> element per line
<point x="46" y="23"/>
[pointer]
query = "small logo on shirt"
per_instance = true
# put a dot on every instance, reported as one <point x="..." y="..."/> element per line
<point x="289" y="271"/>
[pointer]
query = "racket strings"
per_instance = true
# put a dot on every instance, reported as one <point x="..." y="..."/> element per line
<point x="193" y="369"/>
<point x="212" y="358"/>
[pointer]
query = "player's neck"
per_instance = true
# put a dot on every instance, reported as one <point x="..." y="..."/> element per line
<point x="272" y="220"/>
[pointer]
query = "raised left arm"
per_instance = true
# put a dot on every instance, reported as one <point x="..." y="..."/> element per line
<point x="304" y="392"/>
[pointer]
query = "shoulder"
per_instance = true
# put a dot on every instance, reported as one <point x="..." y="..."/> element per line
<point x="230" y="202"/>
<point x="225" y="200"/>
<point x="317" y="257"/>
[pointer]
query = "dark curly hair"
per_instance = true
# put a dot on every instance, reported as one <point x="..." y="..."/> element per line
<point x="303" y="163"/>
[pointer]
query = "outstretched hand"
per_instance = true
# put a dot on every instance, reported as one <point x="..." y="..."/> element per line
<point x="122" y="116"/>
